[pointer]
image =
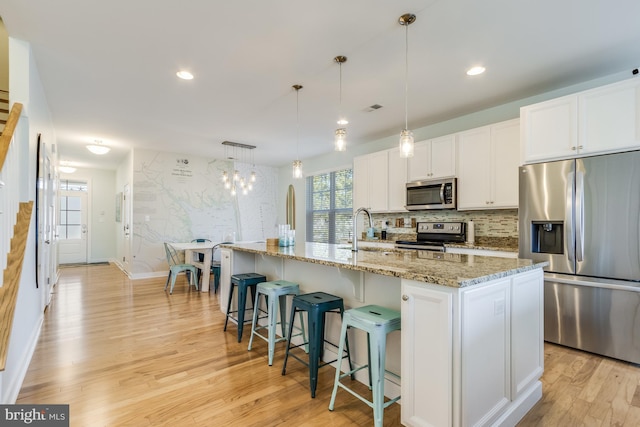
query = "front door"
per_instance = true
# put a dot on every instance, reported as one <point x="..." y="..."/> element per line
<point x="72" y="243"/>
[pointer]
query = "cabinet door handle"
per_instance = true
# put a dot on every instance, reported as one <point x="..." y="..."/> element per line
<point x="573" y="148"/>
<point x="405" y="298"/>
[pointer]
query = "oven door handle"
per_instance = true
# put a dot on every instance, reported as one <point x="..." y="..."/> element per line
<point x="442" y="193"/>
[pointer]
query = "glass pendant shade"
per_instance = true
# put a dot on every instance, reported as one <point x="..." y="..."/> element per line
<point x="297" y="169"/>
<point x="341" y="139"/>
<point x="406" y="144"/>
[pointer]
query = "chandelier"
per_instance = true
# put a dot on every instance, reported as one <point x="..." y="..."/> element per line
<point x="233" y="180"/>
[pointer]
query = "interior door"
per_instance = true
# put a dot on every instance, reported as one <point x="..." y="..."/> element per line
<point x="126" y="228"/>
<point x="47" y="243"/>
<point x="73" y="232"/>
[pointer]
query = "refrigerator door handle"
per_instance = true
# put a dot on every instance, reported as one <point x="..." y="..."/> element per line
<point x="580" y="216"/>
<point x="570" y="220"/>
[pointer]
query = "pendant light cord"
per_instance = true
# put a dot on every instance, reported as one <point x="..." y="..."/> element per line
<point x="340" y="97"/>
<point x="406" y="79"/>
<point x="297" y="124"/>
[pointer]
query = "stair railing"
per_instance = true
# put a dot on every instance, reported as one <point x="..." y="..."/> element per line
<point x="15" y="217"/>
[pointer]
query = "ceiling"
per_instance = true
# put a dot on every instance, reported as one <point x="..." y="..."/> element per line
<point x="109" y="67"/>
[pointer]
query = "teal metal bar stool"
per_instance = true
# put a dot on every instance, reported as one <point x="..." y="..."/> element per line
<point x="275" y="294"/>
<point x="377" y="322"/>
<point x="242" y="282"/>
<point x="317" y="305"/>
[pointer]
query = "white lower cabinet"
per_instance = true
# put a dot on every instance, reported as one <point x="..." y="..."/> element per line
<point x="485" y="354"/>
<point x="427" y="356"/>
<point x="232" y="262"/>
<point x="472" y="356"/>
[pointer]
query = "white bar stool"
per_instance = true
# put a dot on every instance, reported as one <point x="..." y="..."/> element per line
<point x="377" y="322"/>
<point x="275" y="293"/>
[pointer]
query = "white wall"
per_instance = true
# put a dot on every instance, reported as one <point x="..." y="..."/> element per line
<point x="178" y="197"/>
<point x="26" y="88"/>
<point x="334" y="160"/>
<point x="4" y="53"/>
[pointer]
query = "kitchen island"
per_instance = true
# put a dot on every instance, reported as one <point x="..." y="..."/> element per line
<point x="470" y="349"/>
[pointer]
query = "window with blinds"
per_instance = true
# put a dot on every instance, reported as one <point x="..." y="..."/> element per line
<point x="329" y="206"/>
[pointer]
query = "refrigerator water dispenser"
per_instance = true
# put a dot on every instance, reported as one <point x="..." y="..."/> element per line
<point x="547" y="237"/>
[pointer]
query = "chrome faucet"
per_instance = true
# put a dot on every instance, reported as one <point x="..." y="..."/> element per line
<point x="354" y="239"/>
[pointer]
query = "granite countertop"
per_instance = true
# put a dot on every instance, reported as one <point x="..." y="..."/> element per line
<point x="454" y="270"/>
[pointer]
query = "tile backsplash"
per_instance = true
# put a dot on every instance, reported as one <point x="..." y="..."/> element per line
<point x="493" y="223"/>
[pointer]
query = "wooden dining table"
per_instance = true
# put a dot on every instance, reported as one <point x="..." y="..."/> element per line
<point x="191" y="249"/>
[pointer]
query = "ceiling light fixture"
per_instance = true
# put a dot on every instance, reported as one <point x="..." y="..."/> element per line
<point x="340" y="142"/>
<point x="474" y="71"/>
<point x="406" y="136"/>
<point x="297" y="164"/>
<point x="66" y="168"/>
<point x="98" y="148"/>
<point x="184" y="75"/>
<point x="234" y="180"/>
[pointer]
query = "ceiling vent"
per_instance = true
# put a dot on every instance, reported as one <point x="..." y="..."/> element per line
<point x="373" y="107"/>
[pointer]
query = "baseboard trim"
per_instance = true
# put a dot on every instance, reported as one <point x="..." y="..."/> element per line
<point x="15" y="383"/>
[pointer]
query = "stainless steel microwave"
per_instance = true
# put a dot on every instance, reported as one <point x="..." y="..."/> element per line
<point x="433" y="194"/>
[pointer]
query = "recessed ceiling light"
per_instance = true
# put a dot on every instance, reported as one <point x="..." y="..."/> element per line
<point x="474" y="71"/>
<point x="184" y="75"/>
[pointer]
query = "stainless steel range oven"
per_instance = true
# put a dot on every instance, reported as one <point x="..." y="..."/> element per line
<point x="432" y="236"/>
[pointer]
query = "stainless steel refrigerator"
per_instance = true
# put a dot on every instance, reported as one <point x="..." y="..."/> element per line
<point x="583" y="217"/>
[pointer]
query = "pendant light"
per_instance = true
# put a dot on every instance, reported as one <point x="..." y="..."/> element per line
<point x="297" y="164"/>
<point x="406" y="136"/>
<point x="340" y="142"/>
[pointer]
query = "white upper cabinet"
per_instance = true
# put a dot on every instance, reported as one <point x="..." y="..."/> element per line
<point x="361" y="182"/>
<point x="601" y="120"/>
<point x="550" y="129"/>
<point x="609" y="118"/>
<point x="488" y="159"/>
<point x="433" y="159"/>
<point x="379" y="181"/>
<point x="397" y="181"/>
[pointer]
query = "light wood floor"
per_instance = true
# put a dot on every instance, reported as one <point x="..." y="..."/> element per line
<point x="125" y="353"/>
